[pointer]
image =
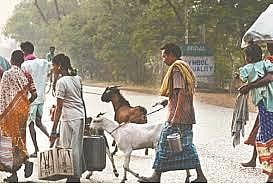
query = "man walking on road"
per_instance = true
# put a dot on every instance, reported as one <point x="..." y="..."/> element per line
<point x="39" y="69"/>
<point x="50" y="55"/>
<point x="179" y="86"/>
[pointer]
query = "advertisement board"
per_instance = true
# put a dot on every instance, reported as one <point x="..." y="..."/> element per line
<point x="200" y="58"/>
<point x="201" y="65"/>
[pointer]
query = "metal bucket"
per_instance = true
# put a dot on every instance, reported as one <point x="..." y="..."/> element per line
<point x="174" y="142"/>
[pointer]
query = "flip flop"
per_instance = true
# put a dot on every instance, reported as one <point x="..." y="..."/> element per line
<point x="33" y="155"/>
<point x="11" y="179"/>
<point x="142" y="179"/>
<point x="28" y="169"/>
<point x="199" y="181"/>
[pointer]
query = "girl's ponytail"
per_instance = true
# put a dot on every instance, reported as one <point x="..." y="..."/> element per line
<point x="73" y="71"/>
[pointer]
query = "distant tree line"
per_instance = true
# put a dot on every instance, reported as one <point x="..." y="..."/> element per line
<point x="119" y="40"/>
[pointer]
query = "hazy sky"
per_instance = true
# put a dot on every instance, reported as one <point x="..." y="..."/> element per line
<point x="6" y="44"/>
<point x="6" y="8"/>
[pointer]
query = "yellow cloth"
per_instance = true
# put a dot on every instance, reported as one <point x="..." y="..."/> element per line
<point x="13" y="124"/>
<point x="187" y="73"/>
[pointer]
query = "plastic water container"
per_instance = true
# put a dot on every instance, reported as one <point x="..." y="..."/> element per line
<point x="174" y="141"/>
<point x="94" y="150"/>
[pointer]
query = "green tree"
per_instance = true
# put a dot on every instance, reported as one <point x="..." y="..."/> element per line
<point x="120" y="40"/>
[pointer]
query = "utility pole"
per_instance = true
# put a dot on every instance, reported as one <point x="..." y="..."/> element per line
<point x="204" y="33"/>
<point x="186" y="13"/>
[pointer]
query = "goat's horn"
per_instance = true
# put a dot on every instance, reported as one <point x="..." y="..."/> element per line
<point x="101" y="114"/>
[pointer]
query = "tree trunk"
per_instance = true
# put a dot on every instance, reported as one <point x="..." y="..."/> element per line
<point x="229" y="54"/>
<point x="57" y="9"/>
<point x="179" y="19"/>
<point x="40" y="11"/>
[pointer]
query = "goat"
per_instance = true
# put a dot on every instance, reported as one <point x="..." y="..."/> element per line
<point x="129" y="137"/>
<point x="124" y="112"/>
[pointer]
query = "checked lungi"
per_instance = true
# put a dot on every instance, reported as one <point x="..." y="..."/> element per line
<point x="166" y="160"/>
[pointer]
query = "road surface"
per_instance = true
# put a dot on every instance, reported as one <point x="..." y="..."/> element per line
<point x="212" y="137"/>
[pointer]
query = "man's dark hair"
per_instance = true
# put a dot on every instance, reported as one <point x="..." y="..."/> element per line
<point x="52" y="47"/>
<point x="254" y="52"/>
<point x="27" y="47"/>
<point x="17" y="56"/>
<point x="171" y="48"/>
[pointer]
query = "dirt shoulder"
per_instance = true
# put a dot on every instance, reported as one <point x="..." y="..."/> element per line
<point x="213" y="98"/>
<point x="221" y="99"/>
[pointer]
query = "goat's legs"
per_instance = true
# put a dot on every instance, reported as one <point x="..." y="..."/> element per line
<point x="126" y="165"/>
<point x="188" y="176"/>
<point x="110" y="156"/>
<point x="115" y="151"/>
<point x="114" y="143"/>
<point x="88" y="176"/>
<point x="113" y="165"/>
<point x="146" y="151"/>
<point x="133" y="173"/>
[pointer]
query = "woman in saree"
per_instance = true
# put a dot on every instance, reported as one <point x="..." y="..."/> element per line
<point x="262" y="97"/>
<point x="14" y="107"/>
<point x="4" y="65"/>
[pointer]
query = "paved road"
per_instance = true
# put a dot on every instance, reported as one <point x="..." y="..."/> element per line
<point x="220" y="161"/>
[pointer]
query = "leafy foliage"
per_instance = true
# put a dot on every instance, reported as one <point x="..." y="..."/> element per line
<point x="120" y="40"/>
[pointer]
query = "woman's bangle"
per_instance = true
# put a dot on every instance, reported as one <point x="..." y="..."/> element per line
<point x="53" y="132"/>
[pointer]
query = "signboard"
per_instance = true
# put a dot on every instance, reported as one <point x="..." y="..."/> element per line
<point x="201" y="59"/>
<point x="201" y="65"/>
<point x="196" y="50"/>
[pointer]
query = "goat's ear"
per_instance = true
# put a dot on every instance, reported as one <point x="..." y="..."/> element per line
<point x="100" y="114"/>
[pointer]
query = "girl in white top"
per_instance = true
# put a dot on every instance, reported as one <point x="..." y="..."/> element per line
<point x="70" y="112"/>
